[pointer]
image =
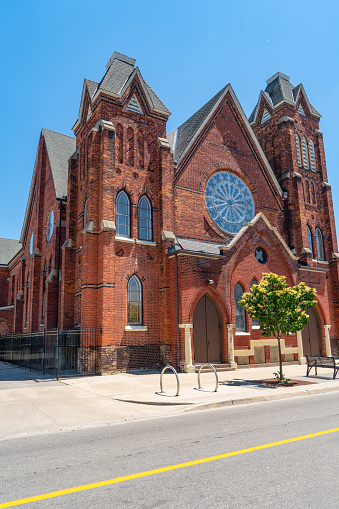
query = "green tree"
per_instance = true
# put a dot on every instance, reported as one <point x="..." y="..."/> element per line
<point x="279" y="308"/>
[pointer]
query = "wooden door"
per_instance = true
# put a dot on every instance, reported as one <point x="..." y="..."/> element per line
<point x="207" y="332"/>
<point x="311" y="334"/>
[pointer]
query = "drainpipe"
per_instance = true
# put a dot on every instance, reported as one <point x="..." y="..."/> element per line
<point x="177" y="309"/>
<point x="58" y="270"/>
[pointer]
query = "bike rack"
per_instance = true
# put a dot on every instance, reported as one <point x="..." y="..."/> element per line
<point x="216" y="376"/>
<point x="176" y="374"/>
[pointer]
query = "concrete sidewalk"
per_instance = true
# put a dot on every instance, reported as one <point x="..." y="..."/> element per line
<point x="31" y="403"/>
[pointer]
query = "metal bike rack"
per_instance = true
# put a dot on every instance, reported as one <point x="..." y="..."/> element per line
<point x="216" y="376"/>
<point x="176" y="374"/>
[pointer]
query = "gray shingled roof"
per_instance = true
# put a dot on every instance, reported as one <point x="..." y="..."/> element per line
<point x="92" y="86"/>
<point x="280" y="89"/>
<point x="196" y="246"/>
<point x="8" y="249"/>
<point x="187" y="131"/>
<point x="117" y="76"/>
<point x="60" y="148"/>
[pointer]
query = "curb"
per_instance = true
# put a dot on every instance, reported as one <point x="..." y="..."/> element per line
<point x="261" y="399"/>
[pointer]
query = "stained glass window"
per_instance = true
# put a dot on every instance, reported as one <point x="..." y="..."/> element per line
<point x="255" y="322"/>
<point x="123" y="215"/>
<point x="229" y="201"/>
<point x="240" y="313"/>
<point x="309" y="238"/>
<point x="145" y="218"/>
<point x="320" y="244"/>
<point x="134" y="301"/>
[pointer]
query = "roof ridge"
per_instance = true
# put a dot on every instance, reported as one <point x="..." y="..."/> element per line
<point x="44" y="129"/>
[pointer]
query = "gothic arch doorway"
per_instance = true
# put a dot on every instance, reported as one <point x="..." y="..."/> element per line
<point x="312" y="342"/>
<point x="207" y="332"/>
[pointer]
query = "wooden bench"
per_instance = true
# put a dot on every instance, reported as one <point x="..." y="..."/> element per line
<point x="322" y="362"/>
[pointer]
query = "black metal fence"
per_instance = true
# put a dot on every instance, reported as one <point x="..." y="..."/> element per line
<point x="56" y="352"/>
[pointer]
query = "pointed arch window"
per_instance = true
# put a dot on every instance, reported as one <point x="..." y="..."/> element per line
<point x="297" y="142"/>
<point x="240" y="313"/>
<point x="123" y="215"/>
<point x="320" y="245"/>
<point x="145" y="218"/>
<point x="305" y="153"/>
<point x="312" y="156"/>
<point x="134" y="301"/>
<point x="310" y="241"/>
<point x="255" y="322"/>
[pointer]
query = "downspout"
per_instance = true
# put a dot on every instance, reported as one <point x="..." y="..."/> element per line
<point x="177" y="310"/>
<point x="58" y="270"/>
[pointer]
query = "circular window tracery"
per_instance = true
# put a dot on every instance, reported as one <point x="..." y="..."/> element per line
<point x="229" y="201"/>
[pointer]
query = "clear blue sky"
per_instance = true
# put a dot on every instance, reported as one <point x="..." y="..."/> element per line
<point x="186" y="50"/>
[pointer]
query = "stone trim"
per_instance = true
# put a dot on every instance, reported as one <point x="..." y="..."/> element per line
<point x="188" y="367"/>
<point x="265" y="342"/>
<point x="135" y="328"/>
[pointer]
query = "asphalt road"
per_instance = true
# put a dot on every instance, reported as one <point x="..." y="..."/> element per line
<point x="301" y="474"/>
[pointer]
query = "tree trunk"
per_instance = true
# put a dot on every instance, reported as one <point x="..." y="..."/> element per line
<point x="280" y="360"/>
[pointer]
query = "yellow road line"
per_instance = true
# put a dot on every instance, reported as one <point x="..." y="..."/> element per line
<point x="117" y="480"/>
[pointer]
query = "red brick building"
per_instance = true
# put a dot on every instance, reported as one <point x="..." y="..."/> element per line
<point x="152" y="237"/>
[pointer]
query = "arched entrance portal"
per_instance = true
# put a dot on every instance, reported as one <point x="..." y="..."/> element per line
<point x="207" y="332"/>
<point x="312" y="334"/>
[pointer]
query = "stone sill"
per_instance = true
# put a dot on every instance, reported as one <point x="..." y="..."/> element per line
<point x="135" y="241"/>
<point x="242" y="333"/>
<point x="135" y="328"/>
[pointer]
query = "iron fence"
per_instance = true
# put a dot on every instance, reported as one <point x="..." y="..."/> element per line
<point x="56" y="352"/>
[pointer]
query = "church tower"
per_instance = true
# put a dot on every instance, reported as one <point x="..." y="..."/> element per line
<point x="287" y="127"/>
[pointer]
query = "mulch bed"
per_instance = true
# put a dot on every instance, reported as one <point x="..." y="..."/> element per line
<point x="273" y="382"/>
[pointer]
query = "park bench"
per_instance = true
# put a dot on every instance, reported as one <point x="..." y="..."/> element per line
<point x="322" y="362"/>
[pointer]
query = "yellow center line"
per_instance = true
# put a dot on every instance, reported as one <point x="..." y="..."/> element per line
<point x="117" y="480"/>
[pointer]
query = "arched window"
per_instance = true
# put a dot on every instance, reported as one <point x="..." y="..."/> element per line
<point x="145" y="218"/>
<point x="305" y="153"/>
<point x="240" y="313"/>
<point x="310" y="241"/>
<point x="255" y="322"/>
<point x="312" y="156"/>
<point x="297" y="142"/>
<point x="130" y="147"/>
<point x="120" y="144"/>
<point x="141" y="149"/>
<point x="123" y="215"/>
<point x="320" y="244"/>
<point x="134" y="301"/>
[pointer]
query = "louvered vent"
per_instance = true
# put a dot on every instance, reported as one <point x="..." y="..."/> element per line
<point x="301" y="110"/>
<point x="305" y="153"/>
<point x="266" y="116"/>
<point x="134" y="105"/>
<point x="297" y="142"/>
<point x="312" y="157"/>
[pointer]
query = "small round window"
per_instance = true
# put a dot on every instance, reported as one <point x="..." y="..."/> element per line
<point x="50" y="226"/>
<point x="261" y="255"/>
<point x="31" y="244"/>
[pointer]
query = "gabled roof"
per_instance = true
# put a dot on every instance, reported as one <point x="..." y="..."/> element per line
<point x="182" y="139"/>
<point x="280" y="89"/>
<point x="184" y="134"/>
<point x="119" y="75"/>
<point x="8" y="249"/>
<point x="59" y="149"/>
<point x="199" y="248"/>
